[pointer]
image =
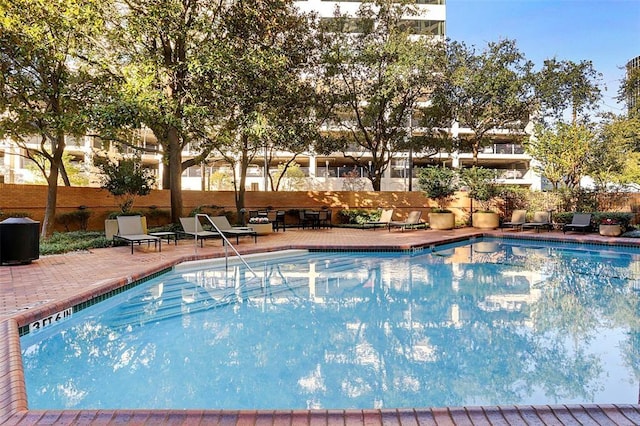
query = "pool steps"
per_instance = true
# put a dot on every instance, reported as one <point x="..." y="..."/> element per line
<point x="136" y="310"/>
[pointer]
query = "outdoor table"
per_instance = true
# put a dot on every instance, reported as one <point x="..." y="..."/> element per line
<point x="168" y="235"/>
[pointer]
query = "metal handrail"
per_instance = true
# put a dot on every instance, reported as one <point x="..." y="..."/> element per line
<point x="226" y="240"/>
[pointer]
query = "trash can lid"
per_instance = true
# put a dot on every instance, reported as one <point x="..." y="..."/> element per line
<point x="16" y="220"/>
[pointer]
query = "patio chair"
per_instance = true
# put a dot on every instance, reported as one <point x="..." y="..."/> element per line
<point x="130" y="231"/>
<point x="222" y="223"/>
<point x="413" y="220"/>
<point x="579" y="222"/>
<point x="279" y="221"/>
<point x="518" y="218"/>
<point x="192" y="228"/>
<point x="303" y="220"/>
<point x="385" y="218"/>
<point x="324" y="219"/>
<point x="541" y="219"/>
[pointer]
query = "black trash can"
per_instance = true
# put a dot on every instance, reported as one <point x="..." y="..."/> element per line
<point x="19" y="240"/>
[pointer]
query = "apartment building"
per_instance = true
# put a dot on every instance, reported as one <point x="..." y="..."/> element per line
<point x="333" y="172"/>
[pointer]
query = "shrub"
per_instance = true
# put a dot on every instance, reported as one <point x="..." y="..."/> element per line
<point x="6" y="215"/>
<point x="77" y="219"/>
<point x="358" y="216"/>
<point x="125" y="179"/>
<point x="63" y="242"/>
<point x="439" y="184"/>
<point x="480" y="185"/>
<point x="157" y="217"/>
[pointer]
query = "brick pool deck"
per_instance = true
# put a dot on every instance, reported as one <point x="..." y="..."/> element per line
<point x="53" y="283"/>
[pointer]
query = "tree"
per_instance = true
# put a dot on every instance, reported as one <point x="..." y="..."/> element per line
<point x="126" y="179"/>
<point x="375" y="73"/>
<point x="290" y="177"/>
<point x="565" y="85"/>
<point x="562" y="153"/>
<point x="152" y="56"/>
<point x="629" y="91"/>
<point x="254" y="76"/>
<point x="75" y="173"/>
<point x="612" y="151"/>
<point x="483" y="92"/>
<point x="45" y="88"/>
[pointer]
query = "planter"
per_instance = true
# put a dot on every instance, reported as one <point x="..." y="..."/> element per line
<point x="442" y="220"/>
<point x="262" y="228"/>
<point x="485" y="220"/>
<point x="610" y="230"/>
<point x="110" y="228"/>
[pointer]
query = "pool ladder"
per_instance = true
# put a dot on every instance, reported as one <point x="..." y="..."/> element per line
<point x="226" y="243"/>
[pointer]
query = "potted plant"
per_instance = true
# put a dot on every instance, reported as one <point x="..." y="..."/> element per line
<point x="481" y="188"/>
<point x="125" y="179"/>
<point x="439" y="184"/>
<point x="609" y="227"/>
<point x="261" y="225"/>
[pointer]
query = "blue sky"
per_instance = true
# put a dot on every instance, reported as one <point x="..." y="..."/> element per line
<point x="606" y="32"/>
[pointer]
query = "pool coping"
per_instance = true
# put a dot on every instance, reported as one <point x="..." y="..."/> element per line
<point x="14" y="408"/>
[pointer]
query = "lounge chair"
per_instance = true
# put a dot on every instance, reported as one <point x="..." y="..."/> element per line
<point x="192" y="228"/>
<point x="222" y="223"/>
<point x="385" y="218"/>
<point x="413" y="220"/>
<point x="518" y="218"/>
<point x="130" y="230"/>
<point x="579" y="222"/>
<point x="541" y="219"/>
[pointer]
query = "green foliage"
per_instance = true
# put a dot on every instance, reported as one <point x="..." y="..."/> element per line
<point x="252" y="78"/>
<point x="78" y="219"/>
<point x="156" y="216"/>
<point x="6" y="215"/>
<point x="63" y="242"/>
<point x="622" y="218"/>
<point x="358" y="216"/>
<point x="208" y="209"/>
<point x="480" y="185"/>
<point x="483" y="91"/>
<point x="290" y="177"/>
<point x="376" y="78"/>
<point x="438" y="183"/>
<point x="562" y="85"/>
<point x="563" y="153"/>
<point x="577" y="200"/>
<point x="221" y="180"/>
<point x="114" y="215"/>
<point x="126" y="180"/>
<point x="46" y="84"/>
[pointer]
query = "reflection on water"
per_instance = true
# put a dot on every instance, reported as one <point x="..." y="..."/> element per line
<point x="484" y="323"/>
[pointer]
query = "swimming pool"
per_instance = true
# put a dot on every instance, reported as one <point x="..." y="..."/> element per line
<point x="468" y="324"/>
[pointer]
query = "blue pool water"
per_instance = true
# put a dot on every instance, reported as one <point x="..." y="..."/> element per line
<point x="480" y="323"/>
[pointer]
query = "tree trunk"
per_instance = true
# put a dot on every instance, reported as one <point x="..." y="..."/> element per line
<point x="166" y="177"/>
<point x="244" y="165"/>
<point x="52" y="185"/>
<point x="376" y="179"/>
<point x="175" y="174"/>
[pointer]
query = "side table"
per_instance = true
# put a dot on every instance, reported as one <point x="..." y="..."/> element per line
<point x="168" y="235"/>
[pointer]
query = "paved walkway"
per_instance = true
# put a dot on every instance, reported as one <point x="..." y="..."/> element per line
<point x="53" y="283"/>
